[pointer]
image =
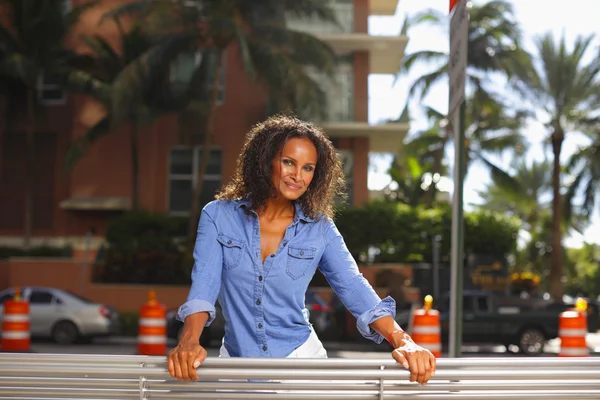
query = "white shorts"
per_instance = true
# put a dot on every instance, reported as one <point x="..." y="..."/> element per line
<point x="312" y="348"/>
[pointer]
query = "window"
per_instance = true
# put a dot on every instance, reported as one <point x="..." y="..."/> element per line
<point x="483" y="304"/>
<point x="339" y="90"/>
<point x="344" y="14"/>
<point x="7" y="296"/>
<point x="49" y="90"/>
<point x="184" y="66"/>
<point x="184" y="165"/>
<point x="40" y="297"/>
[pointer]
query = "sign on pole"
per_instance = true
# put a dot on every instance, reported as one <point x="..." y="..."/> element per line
<point x="457" y="64"/>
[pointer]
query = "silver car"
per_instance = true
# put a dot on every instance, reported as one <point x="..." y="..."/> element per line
<point x="64" y="316"/>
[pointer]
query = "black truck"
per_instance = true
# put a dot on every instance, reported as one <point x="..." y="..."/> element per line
<point x="495" y="319"/>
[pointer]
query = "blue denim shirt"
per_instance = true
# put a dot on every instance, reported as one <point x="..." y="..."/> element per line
<point x="263" y="303"/>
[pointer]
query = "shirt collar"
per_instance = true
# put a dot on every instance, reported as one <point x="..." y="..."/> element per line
<point x="298" y="215"/>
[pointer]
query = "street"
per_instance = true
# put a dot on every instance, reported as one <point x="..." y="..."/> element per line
<point x="128" y="345"/>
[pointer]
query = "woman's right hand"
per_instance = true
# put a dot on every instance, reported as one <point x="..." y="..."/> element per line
<point x="185" y="358"/>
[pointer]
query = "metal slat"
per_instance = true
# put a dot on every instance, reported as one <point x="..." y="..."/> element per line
<point x="106" y="377"/>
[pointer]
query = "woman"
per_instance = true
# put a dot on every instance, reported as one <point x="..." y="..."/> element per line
<point x="258" y="247"/>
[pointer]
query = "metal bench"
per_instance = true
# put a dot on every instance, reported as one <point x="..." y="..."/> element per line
<point x="53" y="376"/>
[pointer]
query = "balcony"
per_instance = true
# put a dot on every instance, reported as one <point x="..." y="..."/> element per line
<point x="383" y="7"/>
<point x="386" y="52"/>
<point x="383" y="138"/>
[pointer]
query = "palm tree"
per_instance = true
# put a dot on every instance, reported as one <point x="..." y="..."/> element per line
<point x="32" y="46"/>
<point x="490" y="130"/>
<point x="272" y="54"/>
<point x="493" y="46"/>
<point x="584" y="166"/>
<point x="522" y="197"/>
<point x="131" y="84"/>
<point x="564" y="89"/>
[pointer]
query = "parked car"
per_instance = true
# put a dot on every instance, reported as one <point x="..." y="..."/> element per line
<point x="64" y="316"/>
<point x="320" y="316"/>
<point x="506" y="320"/>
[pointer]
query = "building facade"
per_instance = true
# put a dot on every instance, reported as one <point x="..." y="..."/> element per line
<point x="66" y="206"/>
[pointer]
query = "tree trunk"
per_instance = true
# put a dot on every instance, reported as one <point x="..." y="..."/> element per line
<point x="29" y="169"/>
<point x="556" y="285"/>
<point x="208" y="136"/>
<point x="135" y="195"/>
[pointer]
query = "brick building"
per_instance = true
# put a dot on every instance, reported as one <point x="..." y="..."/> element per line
<point x="67" y="205"/>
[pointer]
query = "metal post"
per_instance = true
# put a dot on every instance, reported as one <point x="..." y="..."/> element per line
<point x="86" y="261"/>
<point x="436" y="265"/>
<point x="457" y="259"/>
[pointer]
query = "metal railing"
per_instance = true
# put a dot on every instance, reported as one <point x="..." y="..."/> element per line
<point x="52" y="376"/>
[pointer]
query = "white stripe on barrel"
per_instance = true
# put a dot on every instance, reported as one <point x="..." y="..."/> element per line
<point x="426" y="330"/>
<point x="153" y="322"/>
<point x="152" y="339"/>
<point x="15" y="335"/>
<point x="16" y="318"/>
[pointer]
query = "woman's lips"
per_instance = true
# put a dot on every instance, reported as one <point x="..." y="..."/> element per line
<point x="292" y="186"/>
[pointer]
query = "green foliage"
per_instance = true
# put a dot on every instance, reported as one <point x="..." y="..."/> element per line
<point x="38" y="251"/>
<point x="584" y="271"/>
<point x="128" y="322"/>
<point x="142" y="248"/>
<point x="399" y="233"/>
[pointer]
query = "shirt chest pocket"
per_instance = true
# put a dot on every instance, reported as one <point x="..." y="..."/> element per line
<point x="300" y="261"/>
<point x="232" y="250"/>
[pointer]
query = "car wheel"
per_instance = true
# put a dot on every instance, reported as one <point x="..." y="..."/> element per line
<point x="531" y="342"/>
<point x="65" y="332"/>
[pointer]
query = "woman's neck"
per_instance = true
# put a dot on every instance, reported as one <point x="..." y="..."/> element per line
<point x="277" y="208"/>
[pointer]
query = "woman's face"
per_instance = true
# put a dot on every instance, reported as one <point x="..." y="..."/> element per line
<point x="293" y="170"/>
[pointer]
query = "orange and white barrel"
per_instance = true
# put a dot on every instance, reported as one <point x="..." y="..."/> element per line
<point x="15" y="324"/>
<point x="426" y="329"/>
<point x="152" y="328"/>
<point x="572" y="331"/>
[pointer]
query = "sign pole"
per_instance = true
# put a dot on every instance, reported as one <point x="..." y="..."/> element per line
<point x="457" y="70"/>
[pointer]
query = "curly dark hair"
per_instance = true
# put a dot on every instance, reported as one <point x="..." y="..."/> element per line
<point x="265" y="140"/>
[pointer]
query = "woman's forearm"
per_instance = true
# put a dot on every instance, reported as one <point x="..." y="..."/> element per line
<point x="387" y="326"/>
<point x="193" y="326"/>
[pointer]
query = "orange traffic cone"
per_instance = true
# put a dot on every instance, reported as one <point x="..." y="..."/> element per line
<point x="572" y="331"/>
<point x="15" y="324"/>
<point x="152" y="328"/>
<point x="426" y="331"/>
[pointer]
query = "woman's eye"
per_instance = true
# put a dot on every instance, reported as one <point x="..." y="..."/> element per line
<point x="287" y="162"/>
<point x="309" y="168"/>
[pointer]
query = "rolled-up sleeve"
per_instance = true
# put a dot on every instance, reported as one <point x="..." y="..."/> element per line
<point x="340" y="269"/>
<point x="206" y="274"/>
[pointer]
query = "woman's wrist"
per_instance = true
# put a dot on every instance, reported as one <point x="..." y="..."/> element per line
<point x="398" y="338"/>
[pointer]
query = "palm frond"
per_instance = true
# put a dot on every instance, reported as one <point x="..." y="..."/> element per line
<point x="79" y="147"/>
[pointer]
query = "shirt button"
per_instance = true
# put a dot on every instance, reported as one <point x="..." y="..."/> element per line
<point x="258" y="302"/>
<point x="260" y="278"/>
<point x="264" y="348"/>
<point x="229" y="242"/>
<point x="301" y="253"/>
<point x="257" y="255"/>
<point x="259" y="326"/>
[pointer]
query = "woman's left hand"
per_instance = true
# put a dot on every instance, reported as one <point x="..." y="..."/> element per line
<point x="415" y="358"/>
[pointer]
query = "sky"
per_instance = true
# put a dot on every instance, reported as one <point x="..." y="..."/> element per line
<point x="536" y="17"/>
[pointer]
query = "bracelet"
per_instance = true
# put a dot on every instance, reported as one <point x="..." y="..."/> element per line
<point x="389" y="337"/>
